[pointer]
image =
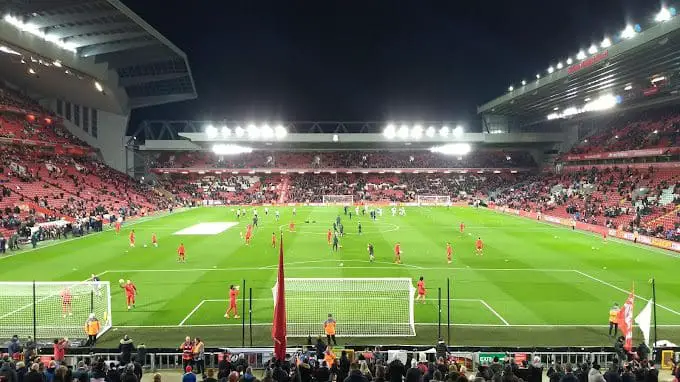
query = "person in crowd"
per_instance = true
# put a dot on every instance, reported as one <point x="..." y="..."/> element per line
<point x="126" y="347"/>
<point x="594" y="375"/>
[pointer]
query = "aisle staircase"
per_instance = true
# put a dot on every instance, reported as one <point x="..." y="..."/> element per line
<point x="285" y="184"/>
<point x="667" y="220"/>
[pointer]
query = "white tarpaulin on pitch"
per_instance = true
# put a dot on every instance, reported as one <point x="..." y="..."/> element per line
<point x="644" y="320"/>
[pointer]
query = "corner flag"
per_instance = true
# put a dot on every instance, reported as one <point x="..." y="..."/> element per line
<point x="279" y="324"/>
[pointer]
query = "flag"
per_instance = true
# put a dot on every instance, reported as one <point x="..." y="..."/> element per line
<point x="279" y="325"/>
<point x="644" y="320"/>
<point x="625" y="320"/>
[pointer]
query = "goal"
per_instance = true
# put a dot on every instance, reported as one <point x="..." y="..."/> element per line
<point x="338" y="199"/>
<point x="433" y="200"/>
<point x="37" y="309"/>
<point x="362" y="307"/>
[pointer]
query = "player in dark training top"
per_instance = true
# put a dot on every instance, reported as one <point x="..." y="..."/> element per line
<point x="371" y="255"/>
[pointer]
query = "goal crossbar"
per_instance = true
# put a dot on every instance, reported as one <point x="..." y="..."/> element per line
<point x="362" y="307"/>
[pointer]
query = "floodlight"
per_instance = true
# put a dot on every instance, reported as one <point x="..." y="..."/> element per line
<point x="452" y="149"/>
<point x="211" y="131"/>
<point x="403" y="131"/>
<point x="266" y="131"/>
<point x="556" y="108"/>
<point x="389" y="131"/>
<point x="458" y="131"/>
<point x="511" y="88"/>
<point x="628" y="32"/>
<point x="280" y="132"/>
<point x="335" y="137"/>
<point x="538" y="76"/>
<point x="253" y="132"/>
<point x="239" y="131"/>
<point x="587" y="99"/>
<point x="606" y="43"/>
<point x="656" y="131"/>
<point x="430" y="132"/>
<point x="444" y="131"/>
<point x="31" y="71"/>
<point x="663" y="15"/>
<point x="524" y="82"/>
<point x="560" y="65"/>
<point x="98" y="86"/>
<point x="417" y="132"/>
<point x="229" y="149"/>
<point x="592" y="49"/>
<point x="628" y="87"/>
<point x="226" y="132"/>
<point x="57" y="63"/>
<point x="551" y="69"/>
<point x="569" y="61"/>
<point x="581" y="55"/>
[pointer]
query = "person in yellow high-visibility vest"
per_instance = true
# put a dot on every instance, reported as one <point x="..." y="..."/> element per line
<point x="92" y="328"/>
<point x="613" y="319"/>
<point x="329" y="328"/>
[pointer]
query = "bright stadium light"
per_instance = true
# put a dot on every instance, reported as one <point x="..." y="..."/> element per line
<point x="228" y="149"/>
<point x="524" y="82"/>
<point x="417" y="132"/>
<point x="569" y="61"/>
<point x="98" y="86"/>
<point x="403" y="131"/>
<point x="538" y="76"/>
<point x="663" y="15"/>
<point x="581" y="55"/>
<point x="280" y="132"/>
<point x="452" y="149"/>
<point x="444" y="131"/>
<point x="560" y="65"/>
<point x="458" y="131"/>
<point x="430" y="132"/>
<point x="226" y="132"/>
<point x="37" y="31"/>
<point x="606" y="43"/>
<point x="551" y="70"/>
<point x="266" y="131"/>
<point x="253" y="132"/>
<point x="390" y="132"/>
<point x="628" y="87"/>
<point x="240" y="132"/>
<point x="511" y="88"/>
<point x="628" y="32"/>
<point x="211" y="131"/>
<point x="592" y="49"/>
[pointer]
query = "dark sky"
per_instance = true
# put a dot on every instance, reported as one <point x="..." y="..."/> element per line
<point x="370" y="60"/>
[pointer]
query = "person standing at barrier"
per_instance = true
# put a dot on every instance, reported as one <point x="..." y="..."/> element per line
<point x="329" y="328"/>
<point x="199" y="357"/>
<point x="92" y="328"/>
<point x="613" y="320"/>
<point x="187" y="348"/>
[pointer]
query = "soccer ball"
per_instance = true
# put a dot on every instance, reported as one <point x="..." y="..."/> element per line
<point x="237" y="287"/>
<point x="341" y="264"/>
<point x="144" y="245"/>
<point x="121" y="281"/>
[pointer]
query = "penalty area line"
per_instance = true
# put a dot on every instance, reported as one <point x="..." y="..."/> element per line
<point x="495" y="313"/>
<point x="192" y="312"/>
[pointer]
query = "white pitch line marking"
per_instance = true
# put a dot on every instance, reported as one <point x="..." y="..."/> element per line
<point x="624" y="291"/>
<point x="495" y="313"/>
<point x="192" y="312"/>
<point x="417" y="324"/>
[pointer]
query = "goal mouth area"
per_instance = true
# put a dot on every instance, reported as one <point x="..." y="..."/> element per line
<point x="361" y="307"/>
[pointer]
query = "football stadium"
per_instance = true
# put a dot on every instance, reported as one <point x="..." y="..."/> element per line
<point x="542" y="235"/>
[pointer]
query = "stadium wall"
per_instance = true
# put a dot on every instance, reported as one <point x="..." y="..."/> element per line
<point x="110" y="137"/>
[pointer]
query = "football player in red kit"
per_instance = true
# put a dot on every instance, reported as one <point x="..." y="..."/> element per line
<point x="233" y="297"/>
<point x="181" y="253"/>
<point x="449" y="252"/>
<point x="130" y="293"/>
<point x="132" y="238"/>
<point x="273" y="240"/>
<point x="397" y="253"/>
<point x="462" y="227"/>
<point x="479" y="245"/>
<point x="66" y="302"/>
<point x="154" y="240"/>
<point x="329" y="236"/>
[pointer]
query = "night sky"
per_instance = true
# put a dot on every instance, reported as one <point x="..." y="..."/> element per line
<point x="370" y="60"/>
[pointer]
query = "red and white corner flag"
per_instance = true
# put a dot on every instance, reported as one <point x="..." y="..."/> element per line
<point x="279" y="324"/>
<point x="625" y="320"/>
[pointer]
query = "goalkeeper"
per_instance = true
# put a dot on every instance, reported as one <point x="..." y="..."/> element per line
<point x="329" y="328"/>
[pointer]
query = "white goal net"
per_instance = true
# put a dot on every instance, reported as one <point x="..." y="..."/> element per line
<point x="362" y="307"/>
<point x="52" y="310"/>
<point x="433" y="200"/>
<point x="338" y="199"/>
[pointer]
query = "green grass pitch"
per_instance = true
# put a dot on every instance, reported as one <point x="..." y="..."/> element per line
<point x="536" y="284"/>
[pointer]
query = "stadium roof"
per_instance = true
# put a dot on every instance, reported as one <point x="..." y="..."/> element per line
<point x="611" y="70"/>
<point x="150" y="68"/>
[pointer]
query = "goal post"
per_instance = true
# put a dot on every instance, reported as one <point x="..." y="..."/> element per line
<point x="49" y="310"/>
<point x="338" y="199"/>
<point x="433" y="200"/>
<point x="362" y="307"/>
